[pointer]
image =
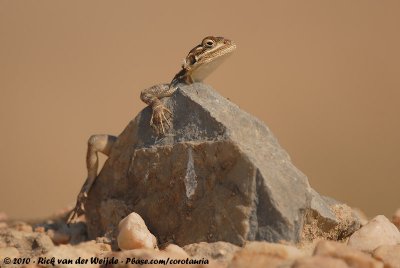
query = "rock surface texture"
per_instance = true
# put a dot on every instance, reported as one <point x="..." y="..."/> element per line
<point x="219" y="174"/>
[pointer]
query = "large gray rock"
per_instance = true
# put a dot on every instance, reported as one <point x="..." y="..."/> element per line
<point x="218" y="175"/>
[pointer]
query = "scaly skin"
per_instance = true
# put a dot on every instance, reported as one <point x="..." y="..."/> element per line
<point x="202" y="60"/>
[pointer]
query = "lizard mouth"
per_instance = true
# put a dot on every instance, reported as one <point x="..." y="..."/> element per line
<point x="223" y="51"/>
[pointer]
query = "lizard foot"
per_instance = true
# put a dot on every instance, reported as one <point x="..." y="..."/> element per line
<point x="79" y="208"/>
<point x="160" y="114"/>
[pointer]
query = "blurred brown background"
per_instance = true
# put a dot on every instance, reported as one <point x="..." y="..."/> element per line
<point x="323" y="75"/>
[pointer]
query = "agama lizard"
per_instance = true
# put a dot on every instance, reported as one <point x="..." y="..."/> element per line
<point x="202" y="60"/>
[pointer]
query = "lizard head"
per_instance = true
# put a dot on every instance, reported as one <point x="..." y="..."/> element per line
<point x="206" y="57"/>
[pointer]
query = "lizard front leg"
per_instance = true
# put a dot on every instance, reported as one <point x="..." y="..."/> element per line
<point x="151" y="96"/>
<point x="96" y="143"/>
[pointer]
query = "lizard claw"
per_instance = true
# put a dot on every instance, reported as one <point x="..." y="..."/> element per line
<point x="158" y="118"/>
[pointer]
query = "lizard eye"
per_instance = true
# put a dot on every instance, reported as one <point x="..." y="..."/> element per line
<point x="209" y="43"/>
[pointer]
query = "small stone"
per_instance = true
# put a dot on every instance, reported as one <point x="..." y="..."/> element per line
<point x="40" y="229"/>
<point x="309" y="247"/>
<point x="396" y="219"/>
<point x="10" y="252"/>
<point x="27" y="243"/>
<point x="389" y="255"/>
<point x="274" y="250"/>
<point x="58" y="237"/>
<point x="175" y="249"/>
<point x="22" y="226"/>
<point x="244" y="260"/>
<point x="94" y="247"/>
<point x="104" y="240"/>
<point x="42" y="243"/>
<point x="133" y="233"/>
<point x="377" y="232"/>
<point x="220" y="251"/>
<point x="264" y="254"/>
<point x="318" y="262"/>
<point x="351" y="256"/>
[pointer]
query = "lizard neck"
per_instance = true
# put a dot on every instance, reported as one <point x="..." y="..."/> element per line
<point x="181" y="77"/>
